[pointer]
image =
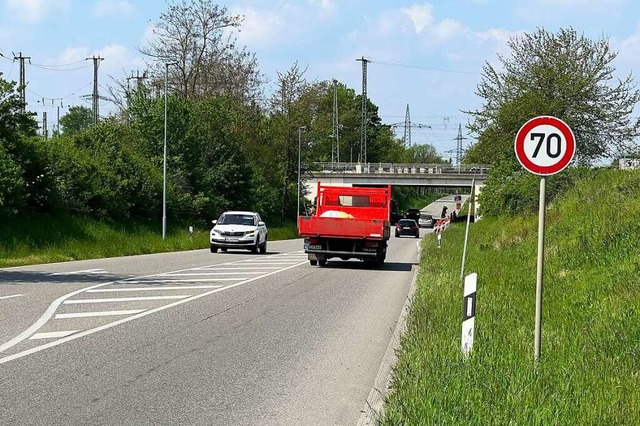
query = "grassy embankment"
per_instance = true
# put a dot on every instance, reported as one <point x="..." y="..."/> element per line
<point x="589" y="369"/>
<point x="46" y="239"/>
<point x="26" y="241"/>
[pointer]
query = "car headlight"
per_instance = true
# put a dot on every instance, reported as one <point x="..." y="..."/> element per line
<point x="215" y="233"/>
<point x="250" y="234"/>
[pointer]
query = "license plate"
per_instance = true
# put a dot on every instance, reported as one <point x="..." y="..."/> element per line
<point x="313" y="247"/>
<point x="232" y="240"/>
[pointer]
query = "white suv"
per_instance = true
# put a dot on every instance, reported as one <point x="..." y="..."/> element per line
<point x="239" y="230"/>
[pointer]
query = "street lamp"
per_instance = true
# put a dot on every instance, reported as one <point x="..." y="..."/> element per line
<point x="300" y="129"/>
<point x="164" y="157"/>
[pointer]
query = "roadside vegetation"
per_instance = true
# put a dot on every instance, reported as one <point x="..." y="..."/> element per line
<point x="589" y="368"/>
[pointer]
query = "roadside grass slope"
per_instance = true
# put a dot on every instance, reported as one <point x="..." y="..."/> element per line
<point x="589" y="369"/>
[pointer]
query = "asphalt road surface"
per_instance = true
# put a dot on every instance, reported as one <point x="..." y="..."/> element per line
<point x="198" y="338"/>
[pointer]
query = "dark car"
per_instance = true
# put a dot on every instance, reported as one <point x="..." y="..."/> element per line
<point x="413" y="214"/>
<point x="426" y="221"/>
<point x="407" y="227"/>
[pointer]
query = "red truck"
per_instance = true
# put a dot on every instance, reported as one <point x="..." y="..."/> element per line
<point x="348" y="223"/>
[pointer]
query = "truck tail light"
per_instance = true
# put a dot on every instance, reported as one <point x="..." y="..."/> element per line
<point x="311" y="240"/>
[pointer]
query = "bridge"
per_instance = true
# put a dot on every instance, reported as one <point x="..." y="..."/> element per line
<point x="399" y="174"/>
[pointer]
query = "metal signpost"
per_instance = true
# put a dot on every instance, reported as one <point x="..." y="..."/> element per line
<point x="544" y="146"/>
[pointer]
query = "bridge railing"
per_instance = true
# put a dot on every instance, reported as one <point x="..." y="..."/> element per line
<point x="395" y="168"/>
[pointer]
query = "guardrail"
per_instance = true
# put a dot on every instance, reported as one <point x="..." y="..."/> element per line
<point x="395" y="168"/>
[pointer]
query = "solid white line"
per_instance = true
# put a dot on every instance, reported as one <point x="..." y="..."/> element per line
<point x="131" y="318"/>
<point x="98" y="314"/>
<point x="241" y="268"/>
<point x="184" y="287"/>
<point x="9" y="297"/>
<point x="186" y="280"/>
<point x="84" y="271"/>
<point x="172" y="274"/>
<point x="123" y="299"/>
<point x="52" y="335"/>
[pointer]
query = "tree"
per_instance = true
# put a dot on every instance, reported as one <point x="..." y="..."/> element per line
<point x="564" y="75"/>
<point x="198" y="36"/>
<point x="77" y="119"/>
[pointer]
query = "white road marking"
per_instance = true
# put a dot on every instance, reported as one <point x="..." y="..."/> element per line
<point x="98" y="314"/>
<point x="11" y="296"/>
<point x="141" y="314"/>
<point x="241" y="268"/>
<point x="52" y="335"/>
<point x="173" y="274"/>
<point x="123" y="299"/>
<point x="186" y="280"/>
<point x="184" y="287"/>
<point x="84" y="271"/>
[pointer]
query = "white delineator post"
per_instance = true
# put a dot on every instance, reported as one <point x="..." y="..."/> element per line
<point x="468" y="312"/>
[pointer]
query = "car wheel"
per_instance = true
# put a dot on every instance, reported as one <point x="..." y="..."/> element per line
<point x="214" y="249"/>
<point x="397" y="235"/>
<point x="263" y="247"/>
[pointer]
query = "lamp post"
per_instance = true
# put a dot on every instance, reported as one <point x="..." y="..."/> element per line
<point x="164" y="156"/>
<point x="300" y="129"/>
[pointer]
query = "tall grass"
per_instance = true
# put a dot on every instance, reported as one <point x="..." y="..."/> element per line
<point x="589" y="370"/>
<point x="45" y="239"/>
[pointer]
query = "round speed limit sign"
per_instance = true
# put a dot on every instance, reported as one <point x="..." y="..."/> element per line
<point x="545" y="145"/>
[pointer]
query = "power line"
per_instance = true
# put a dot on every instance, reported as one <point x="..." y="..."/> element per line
<point x="426" y="68"/>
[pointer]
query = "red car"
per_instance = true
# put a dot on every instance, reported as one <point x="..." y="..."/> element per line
<point x="407" y="227"/>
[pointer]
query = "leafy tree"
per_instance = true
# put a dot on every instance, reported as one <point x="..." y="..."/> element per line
<point x="565" y="75"/>
<point x="425" y="153"/>
<point x="77" y="119"/>
<point x="15" y="126"/>
<point x="198" y="36"/>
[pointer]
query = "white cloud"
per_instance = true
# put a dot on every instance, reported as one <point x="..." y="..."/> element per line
<point x="113" y="7"/>
<point x="325" y="7"/>
<point x="34" y="11"/>
<point x="448" y="29"/>
<point x="420" y="15"/>
<point x="261" y="27"/>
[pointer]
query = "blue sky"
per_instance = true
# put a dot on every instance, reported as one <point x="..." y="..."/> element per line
<point x="428" y="55"/>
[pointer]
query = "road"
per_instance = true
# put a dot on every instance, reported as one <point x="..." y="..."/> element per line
<point x="198" y="338"/>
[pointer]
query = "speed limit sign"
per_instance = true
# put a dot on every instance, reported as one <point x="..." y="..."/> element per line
<point x="545" y="145"/>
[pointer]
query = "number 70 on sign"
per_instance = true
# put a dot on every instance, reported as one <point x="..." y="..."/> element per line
<point x="545" y="145"/>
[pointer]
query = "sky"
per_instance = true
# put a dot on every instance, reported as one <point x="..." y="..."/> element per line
<point x="427" y="56"/>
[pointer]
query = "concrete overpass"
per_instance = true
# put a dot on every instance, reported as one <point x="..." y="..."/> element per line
<point x="397" y="174"/>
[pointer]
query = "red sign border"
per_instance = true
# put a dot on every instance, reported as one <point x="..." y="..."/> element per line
<point x="554" y="168"/>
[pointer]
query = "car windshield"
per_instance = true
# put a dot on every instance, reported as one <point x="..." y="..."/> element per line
<point x="237" y="219"/>
<point x="406" y="223"/>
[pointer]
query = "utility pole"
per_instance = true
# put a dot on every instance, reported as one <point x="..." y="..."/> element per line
<point x="459" y="139"/>
<point x="363" y="126"/>
<point x="407" y="129"/>
<point x="95" y="96"/>
<point x="335" y="143"/>
<point x="23" y="82"/>
<point x="45" y="129"/>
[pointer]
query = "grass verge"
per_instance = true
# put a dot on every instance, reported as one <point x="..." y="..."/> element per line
<point x="40" y="239"/>
<point x="589" y="370"/>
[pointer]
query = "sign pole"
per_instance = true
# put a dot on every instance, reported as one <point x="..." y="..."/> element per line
<point x="540" y="271"/>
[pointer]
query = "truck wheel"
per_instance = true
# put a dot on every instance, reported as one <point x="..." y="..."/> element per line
<point x="223" y="249"/>
<point x="313" y="262"/>
<point x="214" y="249"/>
<point x="322" y="262"/>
